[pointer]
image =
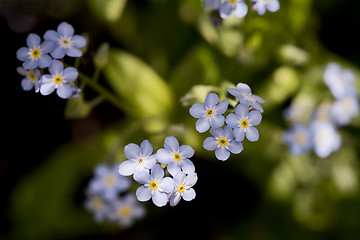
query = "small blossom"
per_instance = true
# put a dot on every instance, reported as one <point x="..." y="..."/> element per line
<point x="298" y="139"/>
<point x="243" y="123"/>
<point x="183" y="187"/>
<point x="125" y="210"/>
<point x="224" y="143"/>
<point x="176" y="156"/>
<point x="65" y="41"/>
<point x="210" y="113"/>
<point x="140" y="158"/>
<point x="325" y="138"/>
<point x="239" y="8"/>
<point x="244" y="95"/>
<point x="31" y="80"/>
<point x="35" y="54"/>
<point x="97" y="206"/>
<point x="107" y="182"/>
<point x="155" y="186"/>
<point x="59" y="79"/>
<point x="261" y="6"/>
<point x="214" y="4"/>
<point x="344" y="109"/>
<point x="339" y="81"/>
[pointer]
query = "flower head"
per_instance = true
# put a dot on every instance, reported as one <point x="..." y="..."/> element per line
<point x="239" y="8"/>
<point x="107" y="182"/>
<point x="176" y="157"/>
<point x="298" y="139"/>
<point x="31" y="80"/>
<point x="325" y="138"/>
<point x="183" y="187"/>
<point x="155" y="186"/>
<point x="36" y="53"/>
<point x="262" y="5"/>
<point x="244" y="95"/>
<point x="243" y="123"/>
<point x="344" y="109"/>
<point x="95" y="204"/>
<point x="65" y="41"/>
<point x="210" y="113"/>
<point x="224" y="143"/>
<point x="139" y="158"/>
<point x="59" y="79"/>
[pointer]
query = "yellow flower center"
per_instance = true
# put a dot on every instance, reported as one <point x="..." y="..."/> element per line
<point x="153" y="185"/>
<point x="140" y="160"/>
<point x="300" y="138"/>
<point x="177" y="157"/>
<point x="244" y="123"/>
<point x="32" y="76"/>
<point x="58" y="79"/>
<point x="223" y="141"/>
<point x="232" y="1"/>
<point x="97" y="203"/>
<point x="181" y="188"/>
<point x="209" y="112"/>
<point x="124" y="211"/>
<point x="110" y="180"/>
<point x="35" y="53"/>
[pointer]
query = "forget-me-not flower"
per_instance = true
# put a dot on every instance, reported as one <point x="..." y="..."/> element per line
<point x="97" y="206"/>
<point x="139" y="158"/>
<point x="325" y="138"/>
<point x="65" y="41"/>
<point x="244" y="95"/>
<point x="36" y="53"/>
<point x="31" y="80"/>
<point x="239" y="8"/>
<point x="261" y="6"/>
<point x="243" y="123"/>
<point x="209" y="113"/>
<point x="224" y="143"/>
<point x="59" y="79"/>
<point x="298" y="139"/>
<point x="107" y="182"/>
<point x="154" y="186"/>
<point x="344" y="109"/>
<point x="176" y="157"/>
<point x="183" y="187"/>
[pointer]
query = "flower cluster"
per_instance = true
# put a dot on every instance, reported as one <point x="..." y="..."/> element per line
<point x="148" y="170"/>
<point x="238" y="125"/>
<point x="240" y="8"/>
<point x="38" y="55"/>
<point x="321" y="135"/>
<point x="108" y="197"/>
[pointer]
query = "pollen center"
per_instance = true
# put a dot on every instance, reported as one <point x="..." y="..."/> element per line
<point x="58" y="79"/>
<point x="300" y="138"/>
<point x="32" y="76"/>
<point x="209" y="112"/>
<point x="153" y="185"/>
<point x="124" y="211"/>
<point x="181" y="188"/>
<point x="141" y="160"/>
<point x="65" y="42"/>
<point x="223" y="141"/>
<point x="244" y="123"/>
<point x="177" y="157"/>
<point x="97" y="203"/>
<point x="232" y="1"/>
<point x="110" y="180"/>
<point x="35" y="53"/>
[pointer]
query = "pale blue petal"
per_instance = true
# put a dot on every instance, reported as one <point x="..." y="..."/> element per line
<point x="232" y="120"/>
<point x="175" y="199"/>
<point x="65" y="29"/>
<point x="173" y="168"/>
<point x="127" y="168"/>
<point x="233" y="92"/>
<point x="22" y="71"/>
<point x="228" y="133"/>
<point x="64" y="90"/>
<point x="222" y="106"/>
<point x="190" y="180"/>
<point x="78" y="41"/>
<point x="46" y="78"/>
<point x="258" y="99"/>
<point x="172" y="144"/>
<point x="187" y="166"/>
<point x="241" y="9"/>
<point x="22" y="54"/>
<point x="163" y="156"/>
<point x="260" y="8"/>
<point x="197" y="110"/>
<point x="143" y="193"/>
<point x="73" y="52"/>
<point x="47" y="46"/>
<point x="167" y="185"/>
<point x="132" y="151"/>
<point x="27" y="84"/>
<point x="254" y="117"/>
<point x="159" y="199"/>
<point x="186" y="151"/>
<point x="146" y="148"/>
<point x="33" y="40"/>
<point x="273" y="5"/>
<point x="142" y="176"/>
<point x="150" y="162"/>
<point x="44" y="61"/>
<point x="157" y="173"/>
<point x="239" y="134"/>
<point x="217" y="121"/>
<point x="252" y="134"/>
<point x="179" y="178"/>
<point x="225" y="9"/>
<point x="189" y="194"/>
<point x="222" y="153"/>
<point x="211" y="100"/>
<point x="202" y="125"/>
<point x="242" y="87"/>
<point x="47" y="88"/>
<point x="51" y="35"/>
<point x="70" y="74"/>
<point x="210" y="143"/>
<point x="56" y="67"/>
<point x="30" y="64"/>
<point x="242" y="110"/>
<point x="235" y="147"/>
<point x="58" y="52"/>
<point x="257" y="106"/>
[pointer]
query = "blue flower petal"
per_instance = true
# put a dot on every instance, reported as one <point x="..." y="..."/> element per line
<point x="33" y="40"/>
<point x="222" y="106"/>
<point x="44" y="61"/>
<point x="242" y="110"/>
<point x="254" y="117"/>
<point x="78" y="41"/>
<point x="132" y="151"/>
<point x="202" y="125"/>
<point x="65" y="29"/>
<point x="232" y="120"/>
<point x="197" y="110"/>
<point x="252" y="134"/>
<point x="163" y="156"/>
<point x="239" y="134"/>
<point x="228" y="133"/>
<point x="186" y="151"/>
<point x="225" y="10"/>
<point x="56" y="67"/>
<point x="210" y="143"/>
<point x="217" y="132"/>
<point x="145" y="147"/>
<point x="211" y="100"/>
<point x="58" y="52"/>
<point x="70" y="74"/>
<point x="51" y="35"/>
<point x="273" y="5"/>
<point x="217" y="121"/>
<point x="222" y="153"/>
<point x="47" y="46"/>
<point x="22" y="54"/>
<point x="235" y="147"/>
<point x="47" y="88"/>
<point x="172" y="144"/>
<point x="241" y="9"/>
<point x="30" y="64"/>
<point x="64" y="90"/>
<point x="73" y="52"/>
<point x="187" y="166"/>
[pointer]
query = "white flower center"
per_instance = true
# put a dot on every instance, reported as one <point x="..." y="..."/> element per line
<point x="65" y="42"/>
<point x="124" y="211"/>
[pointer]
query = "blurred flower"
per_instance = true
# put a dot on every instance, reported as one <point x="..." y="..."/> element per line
<point x="107" y="182"/>
<point x="183" y="187"/>
<point x="35" y="54"/>
<point x="325" y="138"/>
<point x="344" y="109"/>
<point x="214" y="4"/>
<point x="126" y="210"/>
<point x="209" y="114"/>
<point x="243" y="123"/>
<point x="244" y="95"/>
<point x="176" y="156"/>
<point x="261" y="6"/>
<point x="59" y="80"/>
<point x="97" y="206"/>
<point x="31" y="80"/>
<point x="155" y="186"/>
<point x="140" y="158"/>
<point x="224" y="143"/>
<point x="298" y="139"/>
<point x="239" y="8"/>
<point x="65" y="41"/>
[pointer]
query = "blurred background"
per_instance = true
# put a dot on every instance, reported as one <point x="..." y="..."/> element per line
<point x="51" y="146"/>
